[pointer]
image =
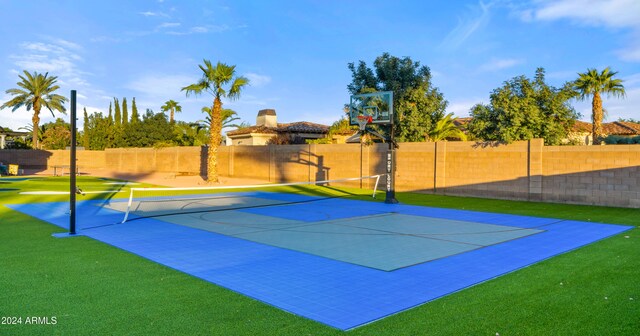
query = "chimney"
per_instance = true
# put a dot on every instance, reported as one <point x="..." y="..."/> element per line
<point x="267" y="117"/>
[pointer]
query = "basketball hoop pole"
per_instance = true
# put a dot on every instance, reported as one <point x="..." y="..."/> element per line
<point x="72" y="169"/>
<point x="390" y="197"/>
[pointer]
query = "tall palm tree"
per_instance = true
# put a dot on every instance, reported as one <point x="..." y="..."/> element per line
<point x="593" y="83"/>
<point x="445" y="128"/>
<point x="214" y="80"/>
<point x="172" y="107"/>
<point x="36" y="91"/>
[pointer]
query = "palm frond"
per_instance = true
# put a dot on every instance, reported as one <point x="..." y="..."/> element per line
<point x="236" y="87"/>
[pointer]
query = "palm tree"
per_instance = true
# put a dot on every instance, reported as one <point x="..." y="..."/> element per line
<point x="227" y="115"/>
<point x="41" y="130"/>
<point x="213" y="81"/>
<point x="445" y="128"/>
<point x="593" y="83"/>
<point x="36" y="90"/>
<point x="171" y="106"/>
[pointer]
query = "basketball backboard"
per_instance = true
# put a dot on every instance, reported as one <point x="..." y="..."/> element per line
<point x="377" y="105"/>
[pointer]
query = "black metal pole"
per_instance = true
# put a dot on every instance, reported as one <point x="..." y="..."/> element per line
<point x="72" y="167"/>
<point x="391" y="169"/>
<point x="361" y="135"/>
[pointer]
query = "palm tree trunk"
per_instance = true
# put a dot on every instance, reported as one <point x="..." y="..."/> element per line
<point x="215" y="140"/>
<point x="171" y="117"/>
<point x="36" y="127"/>
<point x="596" y="110"/>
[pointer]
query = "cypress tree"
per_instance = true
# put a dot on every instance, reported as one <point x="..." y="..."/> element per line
<point x="125" y="112"/>
<point x="110" y="113"/>
<point x="117" y="116"/>
<point x="85" y="130"/>
<point x="134" y="112"/>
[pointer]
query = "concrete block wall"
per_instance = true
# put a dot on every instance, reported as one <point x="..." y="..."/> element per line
<point x="35" y="161"/>
<point x="483" y="169"/>
<point x="600" y="175"/>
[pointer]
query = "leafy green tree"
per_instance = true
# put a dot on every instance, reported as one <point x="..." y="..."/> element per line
<point x="57" y="135"/>
<point x="154" y="130"/>
<point x="417" y="104"/>
<point x="125" y="112"/>
<point x="524" y="109"/>
<point x="444" y="129"/>
<point x="36" y="91"/>
<point x="135" y="118"/>
<point x="190" y="134"/>
<point x="594" y="83"/>
<point x="214" y="81"/>
<point x="172" y="107"/>
<point x="100" y="131"/>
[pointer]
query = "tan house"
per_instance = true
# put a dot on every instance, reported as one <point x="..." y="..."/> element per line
<point x="267" y="130"/>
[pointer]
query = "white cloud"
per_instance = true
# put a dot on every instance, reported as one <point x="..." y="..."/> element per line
<point x="162" y="87"/>
<point x="105" y="39"/>
<point x="462" y="108"/>
<point x="152" y="14"/>
<point x="67" y="44"/>
<point x="169" y="25"/>
<point x="199" y="29"/>
<point x="257" y="80"/>
<point x="59" y="58"/>
<point x="614" y="14"/>
<point x="610" y="13"/>
<point x="632" y="52"/>
<point x="632" y="80"/>
<point x="476" y="18"/>
<point x="499" y="64"/>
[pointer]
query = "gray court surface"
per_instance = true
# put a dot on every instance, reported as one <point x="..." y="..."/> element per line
<point x="386" y="242"/>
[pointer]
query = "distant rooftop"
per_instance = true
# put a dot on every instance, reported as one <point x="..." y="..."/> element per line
<point x="295" y="127"/>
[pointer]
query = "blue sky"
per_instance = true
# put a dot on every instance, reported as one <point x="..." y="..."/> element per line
<point x="296" y="52"/>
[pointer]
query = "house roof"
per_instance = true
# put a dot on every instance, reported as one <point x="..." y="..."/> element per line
<point x="462" y="122"/>
<point x="612" y="128"/>
<point x="6" y="131"/>
<point x="295" y="127"/>
<point x="581" y="127"/>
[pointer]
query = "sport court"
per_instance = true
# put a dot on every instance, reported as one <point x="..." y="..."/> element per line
<point x="336" y="260"/>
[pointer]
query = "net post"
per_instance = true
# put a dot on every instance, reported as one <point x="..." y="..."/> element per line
<point x="72" y="167"/>
<point x="375" y="187"/>
<point x="126" y="214"/>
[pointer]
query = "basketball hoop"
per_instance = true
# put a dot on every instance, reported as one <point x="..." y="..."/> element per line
<point x="363" y="120"/>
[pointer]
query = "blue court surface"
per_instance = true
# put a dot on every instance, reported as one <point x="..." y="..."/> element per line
<point x="344" y="263"/>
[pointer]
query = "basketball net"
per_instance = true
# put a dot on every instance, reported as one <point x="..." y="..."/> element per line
<point x="363" y="120"/>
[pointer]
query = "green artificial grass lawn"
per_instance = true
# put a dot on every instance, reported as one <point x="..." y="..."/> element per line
<point x="92" y="288"/>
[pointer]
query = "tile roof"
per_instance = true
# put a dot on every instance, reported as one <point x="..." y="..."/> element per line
<point x="295" y="127"/>
<point x="615" y="128"/>
<point x="612" y="128"/>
